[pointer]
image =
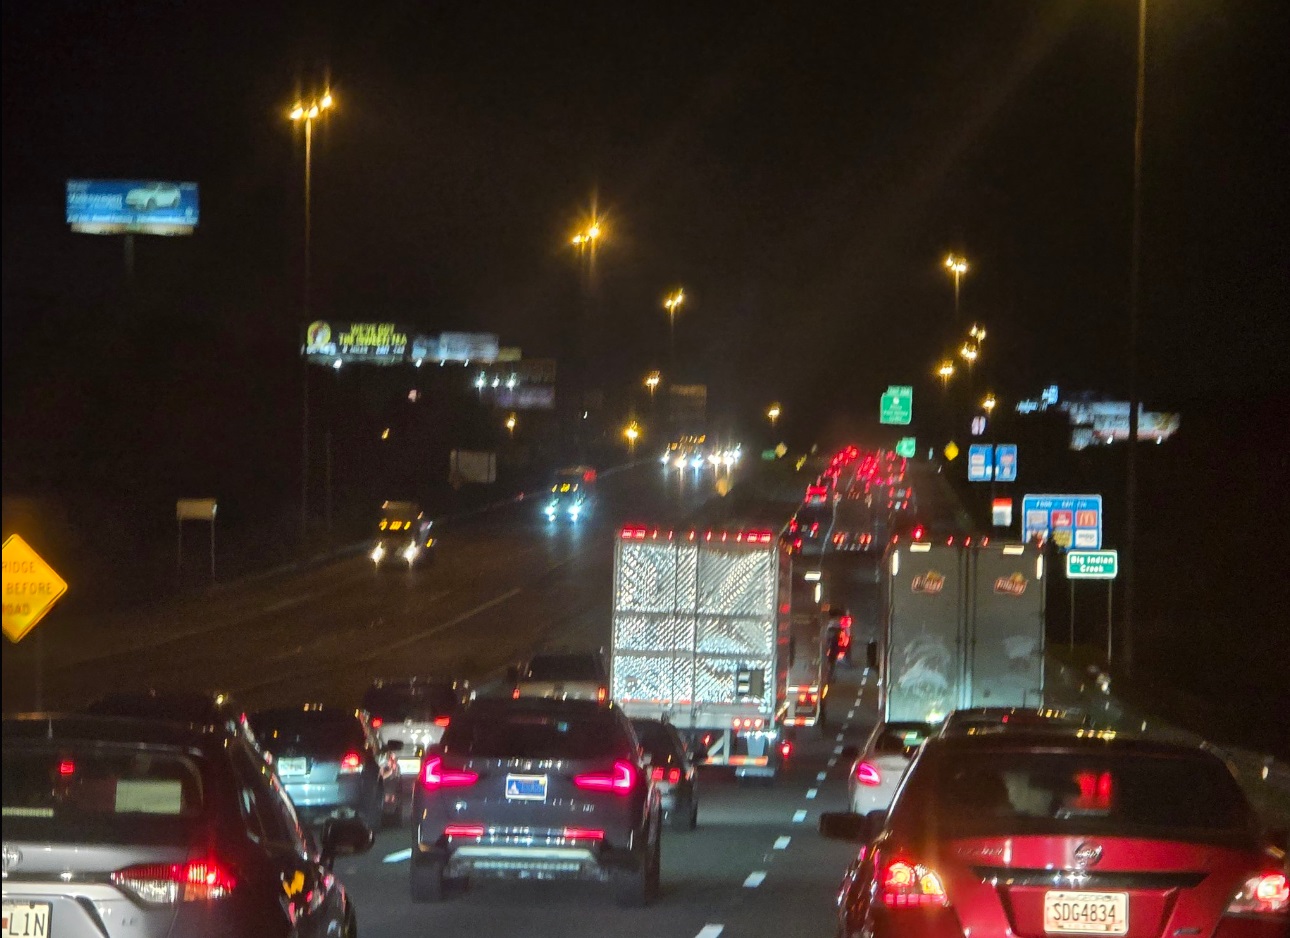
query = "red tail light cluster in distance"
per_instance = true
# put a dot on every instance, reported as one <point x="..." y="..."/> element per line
<point x="620" y="780"/>
<point x="464" y="830"/>
<point x="351" y="762"/>
<point x="659" y="774"/>
<point x="442" y="721"/>
<point x="636" y="533"/>
<point x="434" y="776"/>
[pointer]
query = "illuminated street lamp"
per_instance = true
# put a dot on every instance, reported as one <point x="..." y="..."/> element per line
<point x="773" y="413"/>
<point x="968" y="353"/>
<point x="586" y="238"/>
<point x="957" y="266"/>
<point x="632" y="432"/>
<point x="946" y="371"/>
<point x="989" y="403"/>
<point x="510" y="424"/>
<point x="306" y="112"/>
<point x="652" y="381"/>
<point x="672" y="304"/>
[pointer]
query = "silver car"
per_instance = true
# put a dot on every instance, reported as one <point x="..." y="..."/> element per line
<point x="415" y="711"/>
<point x="118" y="827"/>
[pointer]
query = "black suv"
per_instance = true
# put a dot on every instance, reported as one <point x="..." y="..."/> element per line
<point x="537" y="788"/>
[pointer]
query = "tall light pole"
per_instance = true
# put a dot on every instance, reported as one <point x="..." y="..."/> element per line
<point x="672" y="304"/>
<point x="945" y="372"/>
<point x="652" y="381"/>
<point x="957" y="266"/>
<point x="307" y="112"/>
<point x="632" y="432"/>
<point x="773" y="414"/>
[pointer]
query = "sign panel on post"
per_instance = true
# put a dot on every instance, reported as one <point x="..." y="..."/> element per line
<point x="907" y="447"/>
<point x="1092" y="564"/>
<point x="1005" y="462"/>
<point x="1001" y="512"/>
<point x="123" y="206"/>
<point x="31" y="587"/>
<point x="897" y="405"/>
<point x="980" y="462"/>
<point x="378" y="343"/>
<point x="1067" y="520"/>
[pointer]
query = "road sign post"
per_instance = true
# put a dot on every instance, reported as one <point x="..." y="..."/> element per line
<point x="1094" y="565"/>
<point x="194" y="509"/>
<point x="31" y="587"/>
<point x="897" y="406"/>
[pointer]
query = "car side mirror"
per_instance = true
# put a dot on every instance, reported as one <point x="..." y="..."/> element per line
<point x="344" y="837"/>
<point x="849" y="753"/>
<point x="393" y="745"/>
<point x="871" y="656"/>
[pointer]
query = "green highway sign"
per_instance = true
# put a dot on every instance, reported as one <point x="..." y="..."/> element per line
<point x="1092" y="564"/>
<point x="897" y="405"/>
<point x="907" y="447"/>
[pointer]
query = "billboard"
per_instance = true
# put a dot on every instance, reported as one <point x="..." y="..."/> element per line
<point x="456" y="347"/>
<point x="1067" y="520"/>
<point x="333" y="343"/>
<point x="526" y="397"/>
<point x="124" y="206"/>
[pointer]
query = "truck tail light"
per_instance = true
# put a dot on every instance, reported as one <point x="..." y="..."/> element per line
<point x="908" y="885"/>
<point x="442" y="721"/>
<point x="434" y="776"/>
<point x="620" y="780"/>
<point x="464" y="830"/>
<point x="1264" y="894"/>
<point x="169" y="883"/>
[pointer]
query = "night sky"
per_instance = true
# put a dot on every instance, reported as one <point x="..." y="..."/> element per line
<point x="801" y="169"/>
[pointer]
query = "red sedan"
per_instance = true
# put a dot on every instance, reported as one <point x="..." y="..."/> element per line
<point x="1078" y="832"/>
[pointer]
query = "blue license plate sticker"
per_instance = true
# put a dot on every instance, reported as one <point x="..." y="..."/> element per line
<point x="526" y="787"/>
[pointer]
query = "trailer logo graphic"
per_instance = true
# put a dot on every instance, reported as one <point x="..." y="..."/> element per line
<point x="1013" y="585"/>
<point x="930" y="582"/>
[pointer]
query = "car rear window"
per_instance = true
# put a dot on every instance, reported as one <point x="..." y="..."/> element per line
<point x="526" y="734"/>
<point x="654" y="737"/>
<point x="563" y="668"/>
<point x="309" y="733"/>
<point x="990" y="792"/>
<point x="421" y="702"/>
<point x="900" y="738"/>
<point x="80" y="791"/>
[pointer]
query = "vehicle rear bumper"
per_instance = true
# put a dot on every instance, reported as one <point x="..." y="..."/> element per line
<point x="585" y="862"/>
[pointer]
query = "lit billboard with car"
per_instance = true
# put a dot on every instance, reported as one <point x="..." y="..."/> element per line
<point x="123" y="206"/>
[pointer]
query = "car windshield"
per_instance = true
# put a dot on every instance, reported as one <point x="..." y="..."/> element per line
<point x="85" y="791"/>
<point x="563" y="668"/>
<point x="395" y="703"/>
<point x="988" y="792"/>
<point x="654" y="737"/>
<point x="322" y="734"/>
<point x="536" y="734"/>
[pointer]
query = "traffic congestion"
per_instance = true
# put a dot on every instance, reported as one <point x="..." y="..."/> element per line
<point x="713" y="471"/>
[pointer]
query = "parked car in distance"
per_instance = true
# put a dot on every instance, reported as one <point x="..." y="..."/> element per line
<point x="118" y="827"/>
<point x="672" y="770"/>
<point x="537" y="788"/>
<point x="1050" y="832"/>
<point x="881" y="763"/>
<point x="564" y="675"/>
<point x="200" y="707"/>
<point x="332" y="763"/>
<point x="415" y="711"/>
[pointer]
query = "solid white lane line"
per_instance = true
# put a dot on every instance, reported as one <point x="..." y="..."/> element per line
<point x="799" y="816"/>
<point x="821" y="776"/>
<point x="781" y="843"/>
<point x="710" y="931"/>
<point x="811" y="793"/>
<point x="426" y="633"/>
<point x="755" y="879"/>
<point x="398" y="856"/>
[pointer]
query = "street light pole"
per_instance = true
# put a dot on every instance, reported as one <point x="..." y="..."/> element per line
<point x="958" y="266"/>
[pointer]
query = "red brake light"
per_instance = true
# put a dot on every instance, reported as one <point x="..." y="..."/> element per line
<point x="377" y="723"/>
<point x="911" y="885"/>
<point x="464" y="830"/>
<point x="918" y="533"/>
<point x="442" y="721"/>
<point x="867" y="774"/>
<point x="434" y="776"/>
<point x="168" y="883"/>
<point x="620" y="780"/>
<point x="785" y="749"/>
<point x="351" y="762"/>
<point x="656" y="773"/>
<point x="602" y="693"/>
<point x="66" y="767"/>
<point x="583" y="833"/>
<point x="1265" y="894"/>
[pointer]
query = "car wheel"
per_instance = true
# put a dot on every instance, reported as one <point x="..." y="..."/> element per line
<point x="427" y="882"/>
<point x="638" y="885"/>
<point x="392" y="812"/>
<point x="684" y="814"/>
<point x="374" y="813"/>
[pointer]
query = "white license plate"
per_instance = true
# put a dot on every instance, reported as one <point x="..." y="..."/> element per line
<point x="1086" y="913"/>
<point x="297" y="765"/>
<point x="526" y="787"/>
<point x="26" y="920"/>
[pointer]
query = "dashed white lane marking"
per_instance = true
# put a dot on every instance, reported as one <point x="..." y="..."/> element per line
<point x="851" y="713"/>
<point x="821" y="776"/>
<point x="811" y="793"/>
<point x="781" y="843"/>
<point x="841" y="737"/>
<point x="837" y="750"/>
<point x="398" y="856"/>
<point x="754" y="879"/>
<point x="710" y="931"/>
<point x="833" y="760"/>
<point x="799" y="816"/>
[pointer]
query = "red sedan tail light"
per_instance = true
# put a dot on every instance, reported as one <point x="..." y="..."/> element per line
<point x="434" y="776"/>
<point x="169" y="883"/>
<point x="867" y="774"/>
<point x="1265" y="894"/>
<point x="620" y="780"/>
<point x="911" y="885"/>
<point x="351" y="762"/>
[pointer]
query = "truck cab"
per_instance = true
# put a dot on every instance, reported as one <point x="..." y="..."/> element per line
<point x="403" y="535"/>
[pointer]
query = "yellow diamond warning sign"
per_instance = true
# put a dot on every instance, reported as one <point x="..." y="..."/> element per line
<point x="31" y="587"/>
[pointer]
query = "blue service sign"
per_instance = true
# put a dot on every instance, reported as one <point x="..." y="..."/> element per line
<point x="1005" y="462"/>
<point x="980" y="462"/>
<point x="1067" y="520"/>
<point x="123" y="206"/>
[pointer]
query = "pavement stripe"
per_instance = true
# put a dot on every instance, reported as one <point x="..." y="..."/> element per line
<point x="710" y="931"/>
<point x="821" y="776"/>
<point x="851" y="713"/>
<point x="754" y="879"/>
<point x="833" y="760"/>
<point x="799" y="816"/>
<point x="426" y="633"/>
<point x="841" y="736"/>
<point x="811" y="793"/>
<point x="781" y="843"/>
<point x="398" y="856"/>
<point x="837" y="750"/>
